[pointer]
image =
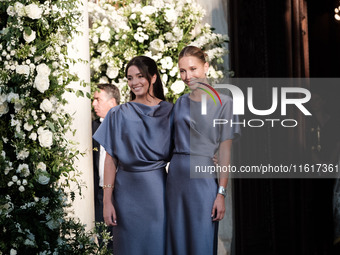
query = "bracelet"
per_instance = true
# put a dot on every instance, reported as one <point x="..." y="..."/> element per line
<point x="108" y="186"/>
<point x="222" y="191"/>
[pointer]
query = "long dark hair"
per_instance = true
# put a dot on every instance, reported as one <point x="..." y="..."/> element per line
<point x="148" y="68"/>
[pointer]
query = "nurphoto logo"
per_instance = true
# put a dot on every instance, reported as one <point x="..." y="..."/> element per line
<point x="301" y="97"/>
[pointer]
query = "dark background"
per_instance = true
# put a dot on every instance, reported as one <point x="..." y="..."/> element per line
<point x="284" y="38"/>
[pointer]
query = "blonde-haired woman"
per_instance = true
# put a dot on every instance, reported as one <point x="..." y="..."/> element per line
<point x="195" y="201"/>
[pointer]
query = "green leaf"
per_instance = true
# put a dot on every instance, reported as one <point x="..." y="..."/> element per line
<point x="80" y="93"/>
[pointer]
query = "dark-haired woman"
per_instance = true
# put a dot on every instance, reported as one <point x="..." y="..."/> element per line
<point x="134" y="170"/>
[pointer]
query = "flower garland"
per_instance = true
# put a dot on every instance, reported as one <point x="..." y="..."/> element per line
<point x="159" y="29"/>
<point x="34" y="153"/>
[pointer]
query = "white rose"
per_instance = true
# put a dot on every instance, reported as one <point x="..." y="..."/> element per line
<point x="41" y="166"/>
<point x="43" y="179"/>
<point x="177" y="87"/>
<point x="41" y="83"/>
<point x="156" y="45"/>
<point x="10" y="11"/>
<point x="112" y="72"/>
<point x="31" y="37"/>
<point x="45" y="138"/>
<point x="22" y="69"/>
<point x="43" y="69"/>
<point x="14" y="178"/>
<point x="33" y="136"/>
<point x="19" y="9"/>
<point x="21" y="188"/>
<point x="24" y="182"/>
<point x="46" y="105"/>
<point x="28" y="127"/>
<point x="10" y="183"/>
<point x="33" y="11"/>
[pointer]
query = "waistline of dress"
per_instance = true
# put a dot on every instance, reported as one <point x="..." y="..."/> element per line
<point x="121" y="168"/>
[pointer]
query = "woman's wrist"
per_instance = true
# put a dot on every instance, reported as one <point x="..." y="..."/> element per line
<point x="222" y="191"/>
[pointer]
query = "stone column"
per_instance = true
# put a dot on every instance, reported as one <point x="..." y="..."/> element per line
<point x="80" y="108"/>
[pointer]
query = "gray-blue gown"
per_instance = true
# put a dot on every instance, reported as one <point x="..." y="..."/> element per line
<point x="190" y="229"/>
<point x="139" y="137"/>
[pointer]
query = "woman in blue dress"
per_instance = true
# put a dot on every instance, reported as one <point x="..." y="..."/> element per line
<point x="134" y="170"/>
<point x="195" y="198"/>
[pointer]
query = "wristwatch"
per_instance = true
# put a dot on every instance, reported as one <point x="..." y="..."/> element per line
<point x="222" y="191"/>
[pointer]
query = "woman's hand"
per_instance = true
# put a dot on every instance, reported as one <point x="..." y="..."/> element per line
<point x="109" y="214"/>
<point x="218" y="209"/>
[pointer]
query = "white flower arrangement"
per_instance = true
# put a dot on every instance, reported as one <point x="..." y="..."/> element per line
<point x="158" y="29"/>
<point x="34" y="75"/>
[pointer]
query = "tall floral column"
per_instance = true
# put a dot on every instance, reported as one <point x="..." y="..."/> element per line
<point x="34" y="152"/>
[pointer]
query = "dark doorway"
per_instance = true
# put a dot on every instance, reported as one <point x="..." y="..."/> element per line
<point x="286" y="38"/>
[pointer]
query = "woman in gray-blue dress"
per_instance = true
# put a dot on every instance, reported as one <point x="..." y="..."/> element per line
<point x="136" y="137"/>
<point x="195" y="197"/>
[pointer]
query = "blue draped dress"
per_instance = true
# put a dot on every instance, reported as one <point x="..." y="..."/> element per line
<point x="138" y="136"/>
<point x="191" y="194"/>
